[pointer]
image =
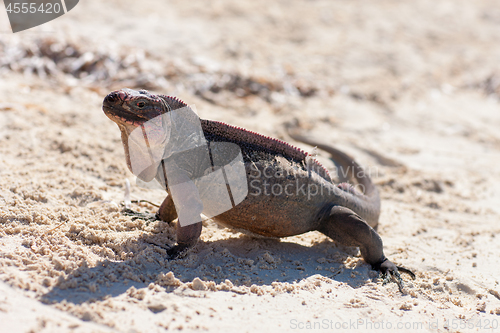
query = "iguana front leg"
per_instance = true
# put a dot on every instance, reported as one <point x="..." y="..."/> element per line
<point x="187" y="236"/>
<point x="347" y="228"/>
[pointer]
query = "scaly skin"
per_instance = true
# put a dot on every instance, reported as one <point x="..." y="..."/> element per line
<point x="341" y="211"/>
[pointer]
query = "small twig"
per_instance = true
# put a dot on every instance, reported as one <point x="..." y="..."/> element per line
<point x="146" y="201"/>
<point x="126" y="197"/>
<point x="56" y="227"/>
<point x="139" y="201"/>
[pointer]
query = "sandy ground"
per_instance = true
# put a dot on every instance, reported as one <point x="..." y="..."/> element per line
<point x="411" y="89"/>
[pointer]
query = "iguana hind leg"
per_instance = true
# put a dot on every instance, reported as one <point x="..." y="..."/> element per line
<point x="347" y="228"/>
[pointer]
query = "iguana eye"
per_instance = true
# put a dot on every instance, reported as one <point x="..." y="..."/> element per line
<point x="140" y="105"/>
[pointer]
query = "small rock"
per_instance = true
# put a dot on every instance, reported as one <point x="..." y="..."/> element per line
<point x="197" y="284"/>
<point x="481" y="306"/>
<point x="156" y="307"/>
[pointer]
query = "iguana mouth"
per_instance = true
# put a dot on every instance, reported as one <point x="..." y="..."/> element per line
<point x="122" y="115"/>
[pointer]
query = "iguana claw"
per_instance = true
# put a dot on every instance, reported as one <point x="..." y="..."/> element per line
<point x="173" y="252"/>
<point x="394" y="276"/>
<point x="148" y="217"/>
<point x="177" y="251"/>
<point x="390" y="272"/>
<point x="407" y="271"/>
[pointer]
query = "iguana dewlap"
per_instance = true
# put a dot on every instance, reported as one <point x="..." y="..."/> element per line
<point x="341" y="212"/>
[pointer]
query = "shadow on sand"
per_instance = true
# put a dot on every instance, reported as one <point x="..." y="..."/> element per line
<point x="244" y="260"/>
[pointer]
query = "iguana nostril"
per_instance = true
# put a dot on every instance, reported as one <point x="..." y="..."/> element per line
<point x="112" y="98"/>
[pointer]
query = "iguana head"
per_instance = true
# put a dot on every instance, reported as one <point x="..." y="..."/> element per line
<point x="140" y="110"/>
<point x="131" y="108"/>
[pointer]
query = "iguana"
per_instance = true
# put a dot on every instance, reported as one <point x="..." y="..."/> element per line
<point x="341" y="212"/>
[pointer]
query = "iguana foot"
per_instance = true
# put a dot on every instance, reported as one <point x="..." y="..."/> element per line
<point x="178" y="251"/>
<point x="148" y="217"/>
<point x="187" y="237"/>
<point x="174" y="252"/>
<point x="390" y="272"/>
